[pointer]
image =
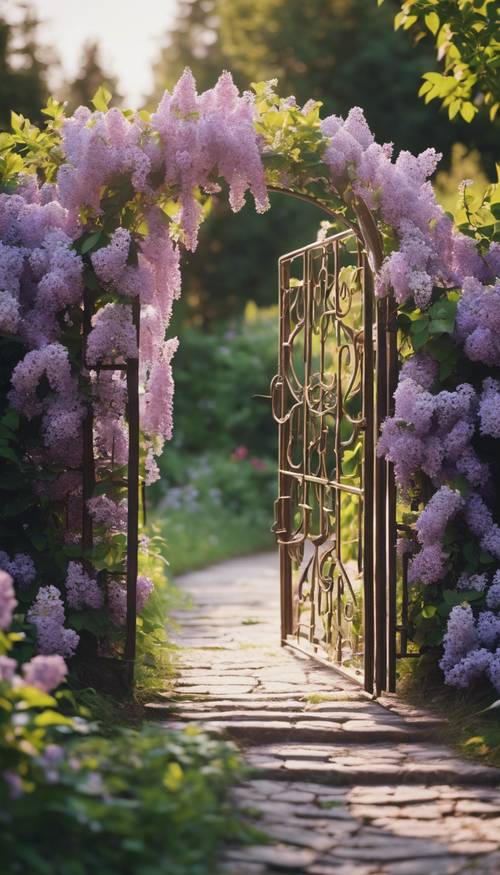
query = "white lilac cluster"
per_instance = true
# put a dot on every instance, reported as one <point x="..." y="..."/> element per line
<point x="432" y="432"/>
<point x="472" y="646"/>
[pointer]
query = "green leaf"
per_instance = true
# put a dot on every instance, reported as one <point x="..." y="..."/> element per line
<point x="52" y="718"/>
<point x="429" y="611"/>
<point x="101" y="99"/>
<point x="468" y="111"/>
<point x="90" y="242"/>
<point x="432" y="22"/>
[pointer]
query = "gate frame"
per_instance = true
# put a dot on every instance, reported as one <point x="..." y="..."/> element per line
<point x="379" y="381"/>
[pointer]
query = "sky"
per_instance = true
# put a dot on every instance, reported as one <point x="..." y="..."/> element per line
<point x="129" y="32"/>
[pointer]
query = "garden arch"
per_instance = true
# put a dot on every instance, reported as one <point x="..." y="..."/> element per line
<point x="371" y="344"/>
<point x="94" y="209"/>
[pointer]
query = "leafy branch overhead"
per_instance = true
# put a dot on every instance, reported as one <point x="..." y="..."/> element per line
<point x="466" y="37"/>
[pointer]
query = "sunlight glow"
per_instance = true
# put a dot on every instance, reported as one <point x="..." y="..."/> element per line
<point x="129" y="32"/>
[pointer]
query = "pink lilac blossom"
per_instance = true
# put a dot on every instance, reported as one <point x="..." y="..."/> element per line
<point x="213" y="133"/>
<point x="157" y="417"/>
<point x="21" y="568"/>
<point x="109" y="513"/>
<point x="83" y="590"/>
<point x="117" y="598"/>
<point x="45" y="672"/>
<point x="113" y="335"/>
<point x="50" y="361"/>
<point x="8" y="668"/>
<point x="7" y="600"/>
<point x="110" y="261"/>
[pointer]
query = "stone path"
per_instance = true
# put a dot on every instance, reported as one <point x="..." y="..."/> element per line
<point x="344" y="785"/>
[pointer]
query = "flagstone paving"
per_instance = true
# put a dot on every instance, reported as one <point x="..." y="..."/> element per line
<point x="342" y="784"/>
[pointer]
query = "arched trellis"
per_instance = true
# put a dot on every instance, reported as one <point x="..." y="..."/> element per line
<point x="380" y="560"/>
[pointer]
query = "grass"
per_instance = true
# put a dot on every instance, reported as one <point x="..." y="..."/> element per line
<point x="197" y="539"/>
<point x="471" y="729"/>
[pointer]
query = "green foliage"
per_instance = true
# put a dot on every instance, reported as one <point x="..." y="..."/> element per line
<point x="138" y="803"/>
<point x="466" y="36"/>
<point x="220" y="378"/>
<point x="468" y="723"/>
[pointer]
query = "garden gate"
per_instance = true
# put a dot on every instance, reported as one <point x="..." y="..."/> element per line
<point x="335" y="513"/>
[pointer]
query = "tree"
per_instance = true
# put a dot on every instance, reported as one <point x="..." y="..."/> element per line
<point x="23" y="67"/>
<point x="90" y="77"/>
<point x="466" y="36"/>
<point x="193" y="41"/>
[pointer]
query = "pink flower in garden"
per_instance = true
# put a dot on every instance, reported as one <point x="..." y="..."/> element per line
<point x="157" y="417"/>
<point x="45" y="672"/>
<point x="240" y="453"/>
<point x="117" y="598"/>
<point x="109" y="513"/>
<point x="113" y="336"/>
<point x="258" y="464"/>
<point x="8" y="600"/>
<point x="7" y="669"/>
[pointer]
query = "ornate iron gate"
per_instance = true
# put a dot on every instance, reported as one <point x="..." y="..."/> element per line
<point x="334" y="515"/>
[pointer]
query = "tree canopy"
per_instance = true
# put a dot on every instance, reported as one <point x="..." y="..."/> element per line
<point x="466" y="37"/>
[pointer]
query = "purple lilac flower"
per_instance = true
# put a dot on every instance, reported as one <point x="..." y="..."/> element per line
<point x="45" y="672"/>
<point x="109" y="513"/>
<point x="117" y="598"/>
<point x="83" y="591"/>
<point x="21" y="567"/>
<point x="489" y="408"/>
<point x="477" y="582"/>
<point x="7" y="669"/>
<point x="493" y="594"/>
<point x="7" y="600"/>
<point x="47" y="614"/>
<point x="460" y="637"/>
